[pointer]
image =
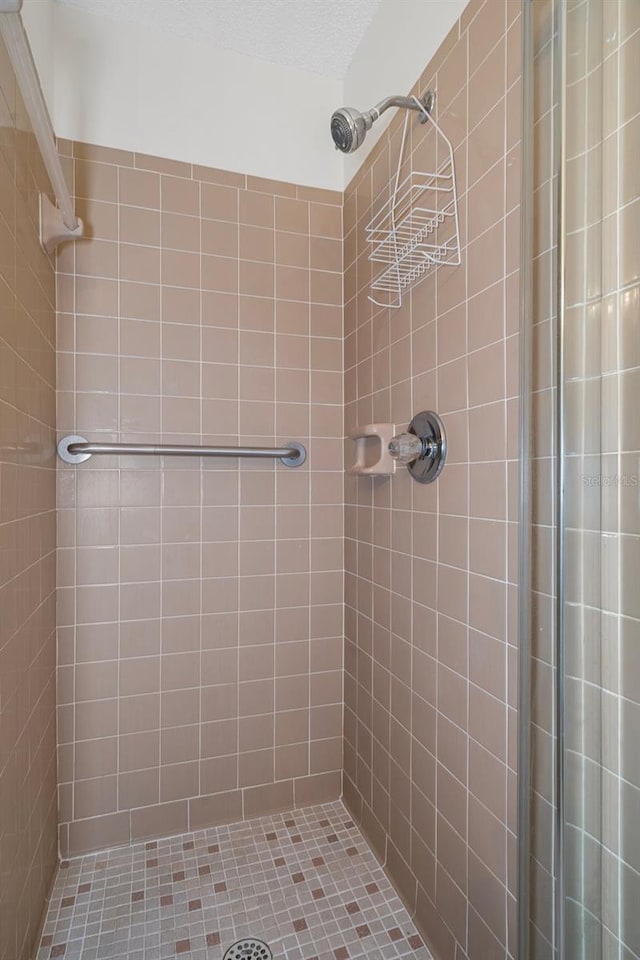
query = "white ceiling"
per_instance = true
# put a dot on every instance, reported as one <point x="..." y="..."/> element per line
<point x="316" y="35"/>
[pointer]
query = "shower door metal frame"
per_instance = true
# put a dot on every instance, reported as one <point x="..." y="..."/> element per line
<point x="559" y="97"/>
<point x="524" y="489"/>
<point x="558" y="41"/>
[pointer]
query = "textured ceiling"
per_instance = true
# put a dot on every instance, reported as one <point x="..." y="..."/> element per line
<point x="316" y="35"/>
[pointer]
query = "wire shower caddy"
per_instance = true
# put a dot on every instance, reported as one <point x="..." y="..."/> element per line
<point x="417" y="228"/>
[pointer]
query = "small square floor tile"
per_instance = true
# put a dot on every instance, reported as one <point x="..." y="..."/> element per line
<point x="197" y="894"/>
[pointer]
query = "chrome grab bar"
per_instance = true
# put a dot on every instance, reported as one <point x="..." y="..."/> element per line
<point x="75" y="449"/>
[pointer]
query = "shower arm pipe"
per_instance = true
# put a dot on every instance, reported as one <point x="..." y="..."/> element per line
<point x="407" y="103"/>
<point x="56" y="224"/>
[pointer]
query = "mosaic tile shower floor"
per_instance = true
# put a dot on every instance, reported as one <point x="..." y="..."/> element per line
<point x="305" y="882"/>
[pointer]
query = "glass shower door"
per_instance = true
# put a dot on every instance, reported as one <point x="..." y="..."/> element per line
<point x="599" y="444"/>
<point x="583" y="799"/>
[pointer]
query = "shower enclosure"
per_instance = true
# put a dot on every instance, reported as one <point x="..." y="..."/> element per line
<point x="580" y="544"/>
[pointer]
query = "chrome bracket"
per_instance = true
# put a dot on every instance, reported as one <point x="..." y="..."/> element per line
<point x="427" y="102"/>
<point x="65" y="454"/>
<point x="298" y="460"/>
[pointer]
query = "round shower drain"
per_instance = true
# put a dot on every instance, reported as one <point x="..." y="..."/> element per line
<point x="250" y="949"/>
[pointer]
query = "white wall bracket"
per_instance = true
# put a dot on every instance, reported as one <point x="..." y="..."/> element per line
<point x="56" y="223"/>
<point x="53" y="229"/>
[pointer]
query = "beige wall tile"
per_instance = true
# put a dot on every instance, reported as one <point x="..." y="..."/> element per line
<point x="219" y="202"/>
<point x="96" y="180"/>
<point x="420" y="702"/>
<point x="218" y="808"/>
<point x="28" y="835"/>
<point x="139" y="225"/>
<point x="139" y="188"/>
<point x="159" y="820"/>
<point x="181" y="336"/>
<point x="110" y="830"/>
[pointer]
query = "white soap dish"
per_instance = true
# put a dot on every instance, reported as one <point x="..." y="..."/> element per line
<point x="422" y="448"/>
<point x="372" y="450"/>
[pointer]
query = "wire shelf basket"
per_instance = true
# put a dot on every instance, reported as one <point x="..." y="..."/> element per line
<point x="417" y="228"/>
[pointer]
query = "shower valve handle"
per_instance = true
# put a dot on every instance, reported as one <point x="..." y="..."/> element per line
<point x="407" y="447"/>
<point x="422" y="448"/>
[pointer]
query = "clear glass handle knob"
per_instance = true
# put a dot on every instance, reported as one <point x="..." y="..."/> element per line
<point x="406" y="447"/>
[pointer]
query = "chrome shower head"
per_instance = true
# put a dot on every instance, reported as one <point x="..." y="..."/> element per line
<point x="349" y="126"/>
